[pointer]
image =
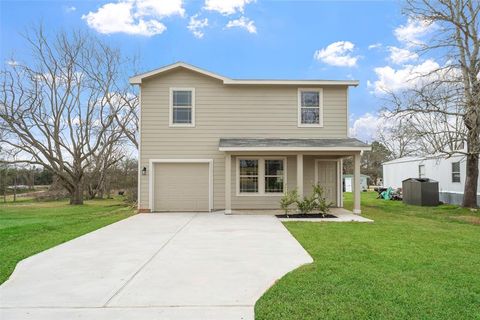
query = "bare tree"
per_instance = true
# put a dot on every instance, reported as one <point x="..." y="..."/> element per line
<point x="97" y="175"/>
<point x="127" y="119"/>
<point x="399" y="136"/>
<point x="444" y="108"/>
<point x="59" y="111"/>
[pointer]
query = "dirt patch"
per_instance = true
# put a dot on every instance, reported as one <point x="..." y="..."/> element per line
<point x="469" y="219"/>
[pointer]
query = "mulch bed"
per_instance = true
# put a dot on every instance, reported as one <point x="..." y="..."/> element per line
<point x="306" y="216"/>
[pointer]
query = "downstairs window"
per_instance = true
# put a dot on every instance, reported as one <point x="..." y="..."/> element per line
<point x="261" y="176"/>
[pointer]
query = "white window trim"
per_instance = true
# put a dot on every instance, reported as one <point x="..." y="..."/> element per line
<point x="184" y="125"/>
<point x="261" y="177"/>
<point x="151" y="178"/>
<point x="299" y="108"/>
<point x="459" y="171"/>
<point x="420" y="171"/>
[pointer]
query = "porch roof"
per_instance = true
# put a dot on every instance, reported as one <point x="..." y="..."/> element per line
<point x="291" y="144"/>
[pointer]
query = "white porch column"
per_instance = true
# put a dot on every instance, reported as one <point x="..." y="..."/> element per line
<point x="300" y="174"/>
<point x="356" y="184"/>
<point x="228" y="184"/>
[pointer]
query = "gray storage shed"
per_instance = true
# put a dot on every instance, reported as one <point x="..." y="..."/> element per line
<point x="420" y="191"/>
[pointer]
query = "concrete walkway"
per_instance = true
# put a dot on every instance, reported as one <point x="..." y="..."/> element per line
<point x="156" y="266"/>
<point x="342" y="215"/>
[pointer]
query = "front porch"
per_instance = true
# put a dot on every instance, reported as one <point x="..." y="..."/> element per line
<point x="299" y="164"/>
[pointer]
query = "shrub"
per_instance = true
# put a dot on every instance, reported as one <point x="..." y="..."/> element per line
<point x="321" y="203"/>
<point x="288" y="199"/>
<point x="307" y="204"/>
<point x="315" y="202"/>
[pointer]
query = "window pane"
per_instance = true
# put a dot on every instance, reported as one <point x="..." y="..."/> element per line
<point x="182" y="115"/>
<point x="455" y="171"/>
<point x="182" y="98"/>
<point x="310" y="116"/>
<point x="310" y="99"/>
<point x="273" y="167"/>
<point x="248" y="184"/>
<point x="456" y="177"/>
<point x="248" y="167"/>
<point x="455" y="166"/>
<point x="273" y="184"/>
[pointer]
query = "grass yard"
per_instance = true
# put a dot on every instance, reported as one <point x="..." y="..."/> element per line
<point x="412" y="263"/>
<point x="28" y="227"/>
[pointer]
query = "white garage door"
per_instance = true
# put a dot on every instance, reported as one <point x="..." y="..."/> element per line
<point x="181" y="187"/>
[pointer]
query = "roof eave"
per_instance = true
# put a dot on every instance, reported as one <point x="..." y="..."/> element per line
<point x="137" y="79"/>
<point x="340" y="149"/>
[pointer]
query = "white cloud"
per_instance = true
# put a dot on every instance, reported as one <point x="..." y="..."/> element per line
<point x="365" y="128"/>
<point x="244" y="23"/>
<point x="375" y="46"/>
<point x="409" y="76"/>
<point x="12" y="62"/>
<point x="338" y="54"/>
<point x="196" y="26"/>
<point x="139" y="17"/>
<point x="226" y="7"/>
<point x="411" y="34"/>
<point x="399" y="55"/>
<point x="70" y="9"/>
<point x="159" y="9"/>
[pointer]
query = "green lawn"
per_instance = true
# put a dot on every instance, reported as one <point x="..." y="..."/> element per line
<point x="412" y="263"/>
<point x="28" y="227"/>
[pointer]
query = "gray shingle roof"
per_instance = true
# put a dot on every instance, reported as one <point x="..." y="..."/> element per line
<point x="291" y="143"/>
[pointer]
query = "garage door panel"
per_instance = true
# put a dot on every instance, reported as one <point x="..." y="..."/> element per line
<point x="181" y="187"/>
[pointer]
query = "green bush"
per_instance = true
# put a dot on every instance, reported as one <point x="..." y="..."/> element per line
<point x="288" y="199"/>
<point x="306" y="205"/>
<point x="315" y="202"/>
<point x="321" y="203"/>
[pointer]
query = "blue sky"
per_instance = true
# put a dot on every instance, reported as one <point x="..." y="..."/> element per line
<point x="365" y="40"/>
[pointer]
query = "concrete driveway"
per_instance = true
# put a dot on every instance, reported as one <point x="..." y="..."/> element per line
<point x="156" y="266"/>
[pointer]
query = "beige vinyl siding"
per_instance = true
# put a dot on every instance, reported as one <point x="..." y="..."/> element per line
<point x="226" y="111"/>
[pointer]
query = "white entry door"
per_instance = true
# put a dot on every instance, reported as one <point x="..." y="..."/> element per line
<point x="327" y="178"/>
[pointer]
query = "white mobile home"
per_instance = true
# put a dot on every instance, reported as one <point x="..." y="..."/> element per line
<point x="449" y="172"/>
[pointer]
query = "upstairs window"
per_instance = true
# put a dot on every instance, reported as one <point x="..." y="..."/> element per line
<point x="455" y="171"/>
<point x="182" y="107"/>
<point x="421" y="171"/>
<point x="310" y="108"/>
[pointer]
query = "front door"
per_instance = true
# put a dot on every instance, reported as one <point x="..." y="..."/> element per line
<point x="327" y="179"/>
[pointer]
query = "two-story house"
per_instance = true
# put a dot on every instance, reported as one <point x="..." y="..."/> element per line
<point x="210" y="143"/>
